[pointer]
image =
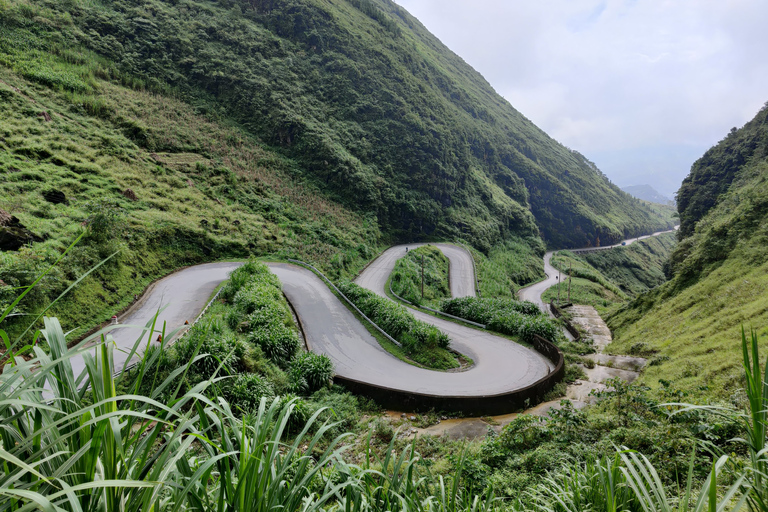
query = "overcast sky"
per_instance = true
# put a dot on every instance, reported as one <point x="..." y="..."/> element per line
<point x="642" y="88"/>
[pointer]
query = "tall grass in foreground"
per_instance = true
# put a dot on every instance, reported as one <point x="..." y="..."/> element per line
<point x="70" y="443"/>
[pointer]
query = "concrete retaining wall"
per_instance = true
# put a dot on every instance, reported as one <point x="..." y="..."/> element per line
<point x="568" y="325"/>
<point x="504" y="403"/>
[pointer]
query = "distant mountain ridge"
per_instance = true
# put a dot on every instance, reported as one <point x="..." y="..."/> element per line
<point x="647" y="193"/>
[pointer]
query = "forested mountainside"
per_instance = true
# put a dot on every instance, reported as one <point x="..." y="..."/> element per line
<point x="718" y="272"/>
<point x="368" y="106"/>
<point x="712" y="175"/>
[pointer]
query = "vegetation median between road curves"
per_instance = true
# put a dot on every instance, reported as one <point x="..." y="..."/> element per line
<point x="249" y="335"/>
<point x="508" y="266"/>
<point x="406" y="277"/>
<point x="523" y="320"/>
<point x="507" y="316"/>
<point x="424" y="343"/>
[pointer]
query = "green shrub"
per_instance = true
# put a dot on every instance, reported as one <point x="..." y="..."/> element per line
<point x="106" y="219"/>
<point x="221" y="348"/>
<point x="255" y="295"/>
<point x="383" y="431"/>
<point x="246" y="390"/>
<point x="344" y="408"/>
<point x="310" y="372"/>
<point x="395" y="320"/>
<point x="259" y="307"/>
<point x="522" y="434"/>
<point x="278" y="342"/>
<point x="245" y="274"/>
<point x="538" y="326"/>
<point x="506" y="316"/>
<point x="302" y="411"/>
<point x="271" y="314"/>
<point x="484" y="310"/>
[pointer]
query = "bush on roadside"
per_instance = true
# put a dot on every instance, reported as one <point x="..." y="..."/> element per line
<point x="310" y="372"/>
<point x="507" y="316"/>
<point x="538" y="326"/>
<point x="245" y="274"/>
<point x="246" y="390"/>
<point x="278" y="342"/>
<point x="395" y="319"/>
<point x="222" y="348"/>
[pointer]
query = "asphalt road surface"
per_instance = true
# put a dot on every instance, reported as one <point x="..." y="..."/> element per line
<point x="184" y="295"/>
<point x="500" y="364"/>
<point x="623" y="243"/>
<point x="534" y="292"/>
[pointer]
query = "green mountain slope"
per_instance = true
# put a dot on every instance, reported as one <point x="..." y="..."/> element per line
<point x="212" y="193"/>
<point x="368" y="105"/>
<point x="719" y="269"/>
<point x="185" y="131"/>
<point x="712" y="175"/>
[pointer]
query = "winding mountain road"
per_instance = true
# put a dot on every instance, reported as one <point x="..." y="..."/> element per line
<point x="501" y="366"/>
<point x="534" y="292"/>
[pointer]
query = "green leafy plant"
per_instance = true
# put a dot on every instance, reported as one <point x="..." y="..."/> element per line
<point x="310" y="372"/>
<point x="415" y="336"/>
<point x="507" y="316"/>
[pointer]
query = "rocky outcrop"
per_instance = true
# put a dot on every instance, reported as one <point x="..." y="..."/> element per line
<point x="13" y="235"/>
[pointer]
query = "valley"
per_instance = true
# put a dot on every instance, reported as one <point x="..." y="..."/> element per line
<point x="348" y="274"/>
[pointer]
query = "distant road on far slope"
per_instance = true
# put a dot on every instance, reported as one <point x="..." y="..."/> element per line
<point x="534" y="292"/>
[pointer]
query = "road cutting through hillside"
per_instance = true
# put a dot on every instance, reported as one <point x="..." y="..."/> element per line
<point x="501" y="366"/>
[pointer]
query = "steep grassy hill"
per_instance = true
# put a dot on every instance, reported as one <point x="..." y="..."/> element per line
<point x="213" y="193"/>
<point x="367" y="105"/>
<point x="172" y="133"/>
<point x="719" y="269"/>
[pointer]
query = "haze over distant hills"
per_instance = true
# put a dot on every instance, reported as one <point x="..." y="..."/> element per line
<point x="646" y="193"/>
<point x="664" y="167"/>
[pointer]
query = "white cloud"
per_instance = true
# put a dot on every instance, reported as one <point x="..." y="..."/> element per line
<point x="616" y="75"/>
